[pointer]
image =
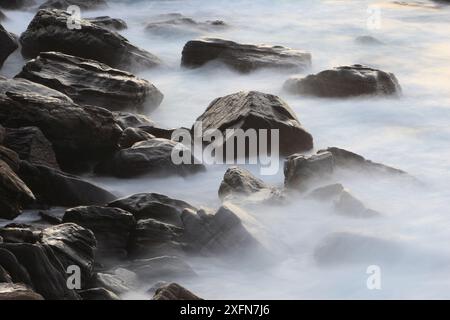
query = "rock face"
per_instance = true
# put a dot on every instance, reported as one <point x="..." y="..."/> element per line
<point x="111" y="226"/>
<point x="243" y="57"/>
<point x="56" y="188"/>
<point x="174" y="291"/>
<point x="14" y="194"/>
<point x="257" y="110"/>
<point x="109" y="23"/>
<point x="17" y="291"/>
<point x="64" y="4"/>
<point x="48" y="32"/>
<point x="31" y="145"/>
<point x="347" y="81"/>
<point x="154" y="206"/>
<point x="9" y="44"/>
<point x="75" y="132"/>
<point x="176" y="24"/>
<point x="89" y="82"/>
<point x="148" y="157"/>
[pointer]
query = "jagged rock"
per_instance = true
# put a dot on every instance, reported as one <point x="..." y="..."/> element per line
<point x="347" y="81"/>
<point x="243" y="57"/>
<point x="148" y="157"/>
<point x="49" y="32"/>
<point x="9" y="44"/>
<point x="17" y="291"/>
<point x="98" y="294"/>
<point x="109" y="23"/>
<point x="89" y="82"/>
<point x="174" y="291"/>
<point x="31" y="145"/>
<point x="257" y="110"/>
<point x="111" y="226"/>
<point x="165" y="268"/>
<point x="131" y="120"/>
<point x="83" y="4"/>
<point x="132" y="135"/>
<point x="153" y="206"/>
<point x="56" y="188"/>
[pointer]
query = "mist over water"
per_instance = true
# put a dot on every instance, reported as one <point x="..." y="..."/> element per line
<point x="411" y="133"/>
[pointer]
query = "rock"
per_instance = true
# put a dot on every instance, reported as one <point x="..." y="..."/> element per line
<point x="347" y="81"/>
<point x="14" y="193"/>
<point x="56" y="188"/>
<point x="18" y="235"/>
<point x="15" y="4"/>
<point x="17" y="291"/>
<point x="83" y="4"/>
<point x="166" y="267"/>
<point x="132" y="135"/>
<point x="368" y="40"/>
<point x="2" y="134"/>
<point x="148" y="157"/>
<point x="15" y="271"/>
<point x="178" y="25"/>
<point x="159" y="132"/>
<point x="348" y="205"/>
<point x="75" y="132"/>
<point x="9" y="44"/>
<point x="112" y="228"/>
<point x="90" y="42"/>
<point x="45" y="270"/>
<point x="109" y="23"/>
<point x="4" y="276"/>
<point x="256" y="110"/>
<point x="2" y="16"/>
<point x="89" y="82"/>
<point x="329" y="192"/>
<point x="131" y="120"/>
<point x="243" y="57"/>
<point x="10" y="157"/>
<point x="345" y="159"/>
<point x="72" y="245"/>
<point x="112" y="282"/>
<point x="53" y="217"/>
<point x="98" y="294"/>
<point x="31" y="145"/>
<point x="301" y="170"/>
<point x="174" y="291"/>
<point x="154" y="206"/>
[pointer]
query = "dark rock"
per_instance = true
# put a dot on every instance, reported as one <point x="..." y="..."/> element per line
<point x="243" y="57"/>
<point x="112" y="228"/>
<point x="159" y="132"/>
<point x="56" y="188"/>
<point x="9" y="44"/>
<point x="10" y="157"/>
<point x="14" y="194"/>
<point x="75" y="132"/>
<point x="83" y="4"/>
<point x="131" y="120"/>
<point x="48" y="32"/>
<point x="4" y="276"/>
<point x="16" y="272"/>
<point x="2" y="134"/>
<point x="148" y="157"/>
<point x="17" y="291"/>
<point x="174" y="291"/>
<point x="165" y="268"/>
<point x="89" y="82"/>
<point x="256" y="110"/>
<point x="300" y="170"/>
<point x="178" y="25"/>
<point x="347" y="81"/>
<point x="153" y="206"/>
<point x="18" y="235"/>
<point x="109" y="23"/>
<point x="132" y="135"/>
<point x="2" y="16"/>
<point x="98" y="294"/>
<point x="31" y="145"/>
<point x="51" y="216"/>
<point x="15" y="4"/>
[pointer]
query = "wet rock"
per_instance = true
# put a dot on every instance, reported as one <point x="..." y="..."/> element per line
<point x="89" y="82"/>
<point x="83" y="4"/>
<point x="165" y="268"/>
<point x="14" y="193"/>
<point x="10" y="157"/>
<point x="75" y="132"/>
<point x="154" y="206"/>
<point x="90" y="42"/>
<point x="15" y="271"/>
<point x="98" y="294"/>
<point x="9" y="44"/>
<point x="257" y="110"/>
<point x="301" y="170"/>
<point x="111" y="226"/>
<point x="243" y="57"/>
<point x="17" y="291"/>
<point x="131" y="120"/>
<point x="178" y="25"/>
<point x="56" y="188"/>
<point x="346" y="81"/>
<point x="109" y="23"/>
<point x="31" y="145"/>
<point x="18" y="235"/>
<point x="148" y="157"/>
<point x="132" y="135"/>
<point x="15" y="4"/>
<point x="174" y="291"/>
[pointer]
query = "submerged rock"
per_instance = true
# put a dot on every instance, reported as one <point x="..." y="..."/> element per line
<point x="9" y="44"/>
<point x="347" y="81"/>
<point x="174" y="291"/>
<point x="243" y="57"/>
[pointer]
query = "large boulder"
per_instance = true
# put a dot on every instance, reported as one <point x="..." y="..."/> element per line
<point x="153" y="206"/>
<point x="83" y="4"/>
<point x="75" y="132"/>
<point x="31" y="145"/>
<point x="148" y="157"/>
<point x="14" y="193"/>
<point x="9" y="44"/>
<point x="111" y="226"/>
<point x="175" y="24"/>
<point x="109" y="23"/>
<point x="243" y="57"/>
<point x="49" y="32"/>
<point x="17" y="291"/>
<point x="56" y="188"/>
<point x="15" y="4"/>
<point x="257" y="110"/>
<point x="174" y="291"/>
<point x="347" y="81"/>
<point x="90" y="82"/>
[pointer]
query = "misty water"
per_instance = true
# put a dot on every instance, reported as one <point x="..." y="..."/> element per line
<point x="411" y="133"/>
